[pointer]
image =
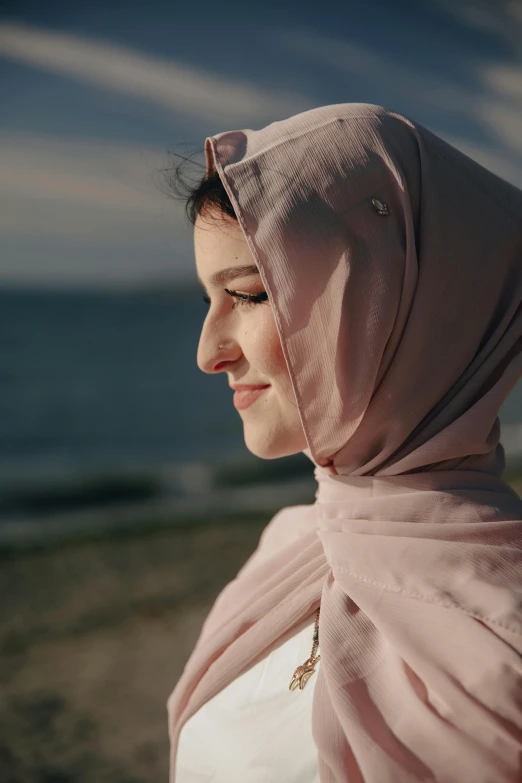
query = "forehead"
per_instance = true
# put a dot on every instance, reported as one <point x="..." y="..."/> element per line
<point x="218" y="244"/>
<point x="210" y="234"/>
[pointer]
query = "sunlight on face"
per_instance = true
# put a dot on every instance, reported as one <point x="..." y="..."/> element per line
<point x="252" y="352"/>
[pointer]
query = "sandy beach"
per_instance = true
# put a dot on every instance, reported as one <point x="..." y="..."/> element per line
<point x="94" y="636"/>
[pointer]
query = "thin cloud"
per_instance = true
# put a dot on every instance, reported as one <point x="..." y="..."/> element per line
<point x="502" y="18"/>
<point x="495" y="102"/>
<point x="91" y="212"/>
<point x="370" y="67"/>
<point x="83" y="173"/>
<point x="175" y="86"/>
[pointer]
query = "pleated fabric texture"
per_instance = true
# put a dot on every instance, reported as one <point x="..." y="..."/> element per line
<point x="402" y="333"/>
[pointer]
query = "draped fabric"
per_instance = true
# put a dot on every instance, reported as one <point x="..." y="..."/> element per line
<point x="402" y="333"/>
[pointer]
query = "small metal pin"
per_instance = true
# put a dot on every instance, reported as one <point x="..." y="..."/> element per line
<point x="380" y="206"/>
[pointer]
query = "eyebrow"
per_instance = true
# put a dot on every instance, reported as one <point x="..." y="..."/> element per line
<point x="230" y="273"/>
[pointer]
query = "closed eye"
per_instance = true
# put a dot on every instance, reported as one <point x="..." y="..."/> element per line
<point x="243" y="299"/>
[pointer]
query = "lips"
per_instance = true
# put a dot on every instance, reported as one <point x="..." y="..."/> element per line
<point x="244" y="396"/>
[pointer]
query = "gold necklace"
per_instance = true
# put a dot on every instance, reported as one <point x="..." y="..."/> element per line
<point x="303" y="673"/>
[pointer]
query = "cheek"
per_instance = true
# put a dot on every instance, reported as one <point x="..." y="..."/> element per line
<point x="266" y="352"/>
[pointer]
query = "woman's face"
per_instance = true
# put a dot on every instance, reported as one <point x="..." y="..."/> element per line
<point x="251" y="353"/>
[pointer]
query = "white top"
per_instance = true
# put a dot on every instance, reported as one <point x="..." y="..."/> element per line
<point x="256" y="730"/>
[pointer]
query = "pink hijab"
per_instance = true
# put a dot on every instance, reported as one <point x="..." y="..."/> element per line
<point x="403" y="336"/>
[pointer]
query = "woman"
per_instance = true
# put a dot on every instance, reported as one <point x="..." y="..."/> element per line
<point x="383" y="319"/>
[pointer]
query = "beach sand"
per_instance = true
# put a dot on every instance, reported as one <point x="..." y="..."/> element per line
<point x="93" y="637"/>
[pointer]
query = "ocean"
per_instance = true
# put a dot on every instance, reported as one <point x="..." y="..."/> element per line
<point x="89" y="378"/>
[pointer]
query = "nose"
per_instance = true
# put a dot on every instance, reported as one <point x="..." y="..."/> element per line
<point x="210" y="357"/>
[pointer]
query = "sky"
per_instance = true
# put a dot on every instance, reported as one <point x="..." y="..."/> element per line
<point x="94" y="99"/>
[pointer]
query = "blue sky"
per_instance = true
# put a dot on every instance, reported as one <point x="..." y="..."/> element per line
<point x="94" y="96"/>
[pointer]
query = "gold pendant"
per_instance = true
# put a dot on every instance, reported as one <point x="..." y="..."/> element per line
<point x="303" y="673"/>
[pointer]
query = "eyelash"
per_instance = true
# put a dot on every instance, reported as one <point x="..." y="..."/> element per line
<point x="243" y="300"/>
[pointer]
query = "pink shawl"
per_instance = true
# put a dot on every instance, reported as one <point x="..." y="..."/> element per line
<point x="403" y="336"/>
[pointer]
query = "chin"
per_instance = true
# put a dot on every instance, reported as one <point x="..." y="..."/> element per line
<point x="275" y="448"/>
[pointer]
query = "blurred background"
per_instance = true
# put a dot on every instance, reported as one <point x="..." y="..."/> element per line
<point x="127" y="496"/>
